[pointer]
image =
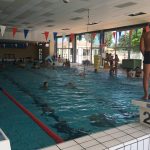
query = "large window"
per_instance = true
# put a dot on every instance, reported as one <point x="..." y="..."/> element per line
<point x="124" y="43"/>
<point x="64" y="48"/>
<point x="95" y="45"/>
<point x="83" y="48"/>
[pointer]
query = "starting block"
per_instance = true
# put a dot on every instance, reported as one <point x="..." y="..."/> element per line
<point x="144" y="111"/>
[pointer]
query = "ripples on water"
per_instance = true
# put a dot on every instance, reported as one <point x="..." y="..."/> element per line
<point x="90" y="104"/>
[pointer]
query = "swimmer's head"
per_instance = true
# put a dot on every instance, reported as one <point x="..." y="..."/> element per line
<point x="45" y="84"/>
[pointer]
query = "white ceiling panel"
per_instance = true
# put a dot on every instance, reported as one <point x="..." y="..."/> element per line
<point x="55" y="15"/>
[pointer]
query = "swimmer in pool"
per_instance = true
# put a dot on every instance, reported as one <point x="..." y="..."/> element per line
<point x="70" y="85"/>
<point x="45" y="85"/>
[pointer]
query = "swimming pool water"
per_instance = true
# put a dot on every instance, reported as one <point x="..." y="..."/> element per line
<point x="94" y="103"/>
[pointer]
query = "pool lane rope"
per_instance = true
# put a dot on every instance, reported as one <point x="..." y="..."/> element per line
<point x="36" y="120"/>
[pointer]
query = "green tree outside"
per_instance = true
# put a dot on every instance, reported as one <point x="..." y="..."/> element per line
<point x="124" y="41"/>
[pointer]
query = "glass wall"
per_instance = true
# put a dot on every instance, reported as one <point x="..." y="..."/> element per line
<point x="64" y="48"/>
<point x="83" y="48"/>
<point x="123" y="43"/>
<point x="95" y="45"/>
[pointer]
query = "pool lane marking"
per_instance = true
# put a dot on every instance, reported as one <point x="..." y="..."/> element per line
<point x="36" y="120"/>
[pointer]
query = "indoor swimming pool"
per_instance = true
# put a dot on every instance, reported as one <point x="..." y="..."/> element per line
<point x="72" y="106"/>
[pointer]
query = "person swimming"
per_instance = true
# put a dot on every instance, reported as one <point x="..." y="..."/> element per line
<point x="45" y="85"/>
<point x="70" y="85"/>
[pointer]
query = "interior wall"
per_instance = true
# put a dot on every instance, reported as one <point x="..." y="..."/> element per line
<point x="30" y="51"/>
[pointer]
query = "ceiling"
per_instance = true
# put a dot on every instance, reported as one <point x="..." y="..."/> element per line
<point x="55" y="15"/>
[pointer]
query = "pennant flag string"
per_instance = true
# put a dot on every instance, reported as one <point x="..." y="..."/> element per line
<point x="130" y="33"/>
<point x="26" y="31"/>
<point x="80" y="37"/>
<point x="46" y="35"/>
<point x="136" y="30"/>
<point x="125" y="38"/>
<point x="120" y="34"/>
<point x="2" y="30"/>
<point x="14" y="30"/>
<point x="63" y="36"/>
<point x="55" y="35"/>
<point x="147" y="28"/>
<point x="93" y="36"/>
<point x="71" y="37"/>
<point x="114" y="35"/>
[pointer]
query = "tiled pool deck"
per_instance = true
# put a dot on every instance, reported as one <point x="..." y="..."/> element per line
<point x="133" y="136"/>
<point x="4" y="141"/>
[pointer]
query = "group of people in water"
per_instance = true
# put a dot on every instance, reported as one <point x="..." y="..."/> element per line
<point x="112" y="62"/>
<point x="132" y="73"/>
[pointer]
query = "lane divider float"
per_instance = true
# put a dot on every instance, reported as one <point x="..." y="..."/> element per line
<point x="36" y="120"/>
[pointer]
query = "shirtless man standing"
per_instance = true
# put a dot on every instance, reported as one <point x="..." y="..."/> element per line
<point x="145" y="50"/>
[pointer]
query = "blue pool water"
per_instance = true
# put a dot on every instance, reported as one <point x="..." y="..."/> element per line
<point x="94" y="103"/>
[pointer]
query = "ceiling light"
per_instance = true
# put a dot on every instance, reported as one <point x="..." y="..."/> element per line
<point x="65" y="29"/>
<point x="137" y="14"/>
<point x="93" y="23"/>
<point x="66" y="1"/>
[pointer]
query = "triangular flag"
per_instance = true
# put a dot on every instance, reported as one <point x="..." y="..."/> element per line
<point x="2" y="30"/>
<point x="125" y="38"/>
<point x="93" y="36"/>
<point x="114" y="35"/>
<point x="26" y="32"/>
<point x="63" y="36"/>
<point x="87" y="37"/>
<point x="14" y="30"/>
<point x="46" y="35"/>
<point x="71" y="37"/>
<point x="130" y="33"/>
<point x="136" y="31"/>
<point x="55" y="35"/>
<point x="120" y="34"/>
<point x="80" y="37"/>
<point x="147" y="28"/>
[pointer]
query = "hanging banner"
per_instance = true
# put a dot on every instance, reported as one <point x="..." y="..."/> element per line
<point x="147" y="28"/>
<point x="80" y="37"/>
<point x="130" y="33"/>
<point x="55" y="36"/>
<point x="63" y="36"/>
<point x="26" y="31"/>
<point x="14" y="30"/>
<point x="46" y="35"/>
<point x="71" y="37"/>
<point x="2" y="30"/>
<point x="125" y="38"/>
<point x="87" y="37"/>
<point x="136" y="31"/>
<point x="114" y="35"/>
<point x="93" y="36"/>
<point x="120" y="34"/>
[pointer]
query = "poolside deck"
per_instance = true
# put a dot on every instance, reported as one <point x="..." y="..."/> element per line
<point x="133" y="136"/>
<point x="4" y="141"/>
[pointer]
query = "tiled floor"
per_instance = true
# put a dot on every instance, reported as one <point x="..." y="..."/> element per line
<point x="133" y="136"/>
<point x="1" y="137"/>
<point x="4" y="141"/>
